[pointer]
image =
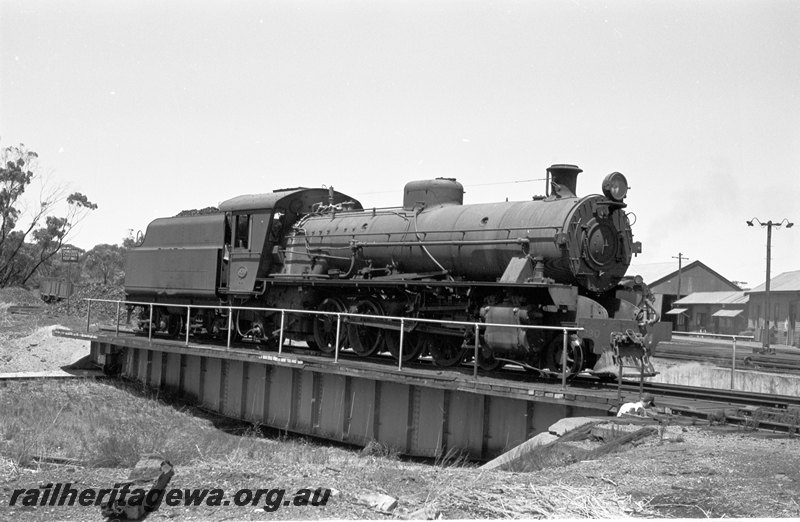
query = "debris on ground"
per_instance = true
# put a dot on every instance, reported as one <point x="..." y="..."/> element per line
<point x="78" y="305"/>
<point x="571" y="440"/>
<point x="19" y="296"/>
<point x="379" y="501"/>
<point x="148" y="468"/>
<point x="426" y="513"/>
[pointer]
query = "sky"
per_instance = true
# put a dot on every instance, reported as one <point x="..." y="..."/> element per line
<point x="153" y="107"/>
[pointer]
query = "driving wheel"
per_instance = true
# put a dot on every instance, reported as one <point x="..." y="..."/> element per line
<point x="325" y="326"/>
<point x="446" y="350"/>
<point x="412" y="345"/>
<point x="365" y="339"/>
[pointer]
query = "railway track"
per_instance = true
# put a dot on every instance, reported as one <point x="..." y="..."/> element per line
<point x="25" y="309"/>
<point x="717" y="395"/>
<point x="692" y="349"/>
<point x="772" y="363"/>
<point x="55" y="374"/>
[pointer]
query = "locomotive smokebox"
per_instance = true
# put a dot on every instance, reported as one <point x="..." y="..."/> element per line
<point x="566" y="176"/>
<point x="429" y="193"/>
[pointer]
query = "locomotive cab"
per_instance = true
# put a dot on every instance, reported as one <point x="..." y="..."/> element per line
<point x="259" y="223"/>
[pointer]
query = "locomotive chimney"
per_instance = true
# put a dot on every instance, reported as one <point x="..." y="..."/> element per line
<point x="565" y="176"/>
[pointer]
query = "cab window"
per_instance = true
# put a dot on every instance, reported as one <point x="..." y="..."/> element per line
<point x="242" y="228"/>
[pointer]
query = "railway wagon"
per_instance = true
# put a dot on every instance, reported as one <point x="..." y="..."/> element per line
<point x="53" y="289"/>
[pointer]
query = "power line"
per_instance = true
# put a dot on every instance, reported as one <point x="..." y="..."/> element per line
<point x="506" y="182"/>
<point x="467" y="186"/>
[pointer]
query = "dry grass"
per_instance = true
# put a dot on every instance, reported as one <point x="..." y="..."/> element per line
<point x="104" y="426"/>
<point x="521" y="499"/>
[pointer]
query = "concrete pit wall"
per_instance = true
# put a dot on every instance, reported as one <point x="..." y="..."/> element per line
<point x="709" y="376"/>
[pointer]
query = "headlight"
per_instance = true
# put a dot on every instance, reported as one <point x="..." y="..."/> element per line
<point x="615" y="186"/>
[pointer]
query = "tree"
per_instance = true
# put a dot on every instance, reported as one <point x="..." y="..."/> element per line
<point x="30" y="237"/>
<point x="129" y="241"/>
<point x="106" y="262"/>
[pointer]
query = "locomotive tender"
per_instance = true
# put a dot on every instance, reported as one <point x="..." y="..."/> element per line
<point x="557" y="260"/>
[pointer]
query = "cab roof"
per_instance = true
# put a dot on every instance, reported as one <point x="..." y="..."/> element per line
<point x="297" y="200"/>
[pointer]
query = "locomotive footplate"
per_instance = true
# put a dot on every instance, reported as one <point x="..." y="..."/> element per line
<point x="405" y="283"/>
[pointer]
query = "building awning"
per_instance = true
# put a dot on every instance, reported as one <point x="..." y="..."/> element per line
<point x="726" y="313"/>
<point x="676" y="311"/>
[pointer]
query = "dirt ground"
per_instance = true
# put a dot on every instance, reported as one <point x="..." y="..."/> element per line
<point x="684" y="471"/>
<point x="40" y="351"/>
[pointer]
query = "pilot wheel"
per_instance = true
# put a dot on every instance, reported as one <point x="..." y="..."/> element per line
<point x="574" y="355"/>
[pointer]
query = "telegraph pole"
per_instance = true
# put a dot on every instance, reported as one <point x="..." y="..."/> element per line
<point x="767" y="339"/>
<point x="680" y="259"/>
<point x="769" y="224"/>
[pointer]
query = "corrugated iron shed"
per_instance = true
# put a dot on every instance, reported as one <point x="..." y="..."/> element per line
<point x="652" y="272"/>
<point x="657" y="273"/>
<point x="785" y="282"/>
<point x="714" y="298"/>
<point x="727" y="313"/>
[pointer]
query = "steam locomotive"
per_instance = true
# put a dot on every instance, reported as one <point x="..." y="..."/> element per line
<point x="556" y="260"/>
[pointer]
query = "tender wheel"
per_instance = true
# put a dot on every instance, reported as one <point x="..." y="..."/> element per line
<point x="325" y="326"/>
<point x="413" y="345"/>
<point x="574" y="355"/>
<point x="487" y="360"/>
<point x="174" y="323"/>
<point x="258" y="332"/>
<point x="446" y="350"/>
<point x="216" y="326"/>
<point x="365" y="340"/>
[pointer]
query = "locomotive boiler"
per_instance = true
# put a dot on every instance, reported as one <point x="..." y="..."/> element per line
<point x="554" y="260"/>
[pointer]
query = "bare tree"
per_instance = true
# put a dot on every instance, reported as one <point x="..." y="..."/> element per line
<point x="30" y="237"/>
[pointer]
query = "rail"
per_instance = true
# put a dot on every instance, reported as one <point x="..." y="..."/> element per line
<point x="339" y="315"/>
<point x="721" y="336"/>
<point x="733" y="338"/>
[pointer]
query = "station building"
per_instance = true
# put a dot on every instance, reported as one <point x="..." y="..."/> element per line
<point x="669" y="284"/>
<point x="784" y="309"/>
<point x="713" y="312"/>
